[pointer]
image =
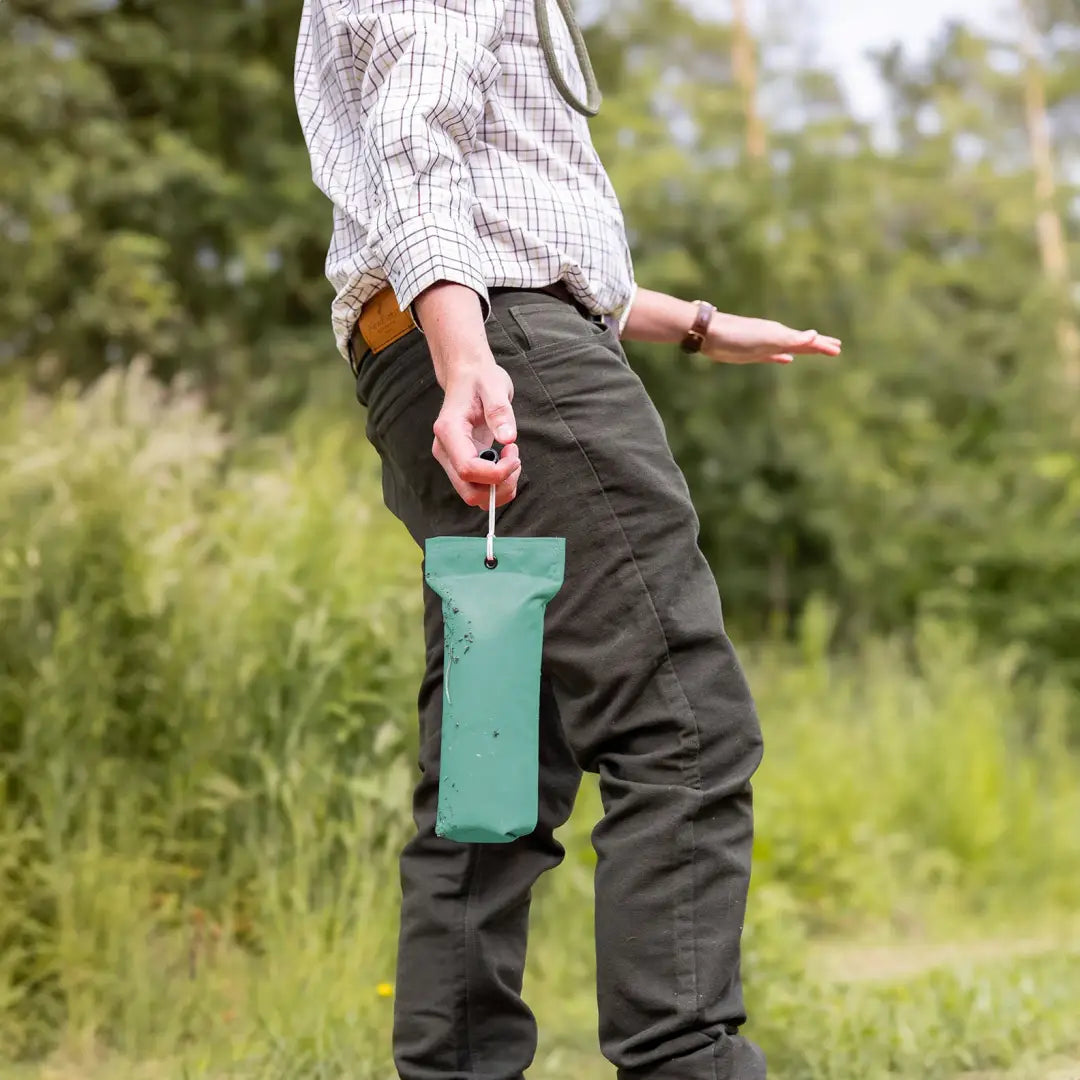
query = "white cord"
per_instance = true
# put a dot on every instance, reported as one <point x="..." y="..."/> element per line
<point x="491" y="526"/>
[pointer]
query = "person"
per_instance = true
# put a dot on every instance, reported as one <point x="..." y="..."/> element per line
<point x="483" y="288"/>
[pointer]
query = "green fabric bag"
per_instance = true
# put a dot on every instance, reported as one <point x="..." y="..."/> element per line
<point x="493" y="640"/>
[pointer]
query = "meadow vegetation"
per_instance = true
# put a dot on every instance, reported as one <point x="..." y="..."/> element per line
<point x="210" y="629"/>
<point x="209" y="648"/>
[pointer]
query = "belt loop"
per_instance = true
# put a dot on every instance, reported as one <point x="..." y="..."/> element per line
<point x="352" y="354"/>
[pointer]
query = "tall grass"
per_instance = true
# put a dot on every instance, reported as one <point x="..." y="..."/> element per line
<point x="209" y="649"/>
<point x="207" y="655"/>
<point x="914" y="771"/>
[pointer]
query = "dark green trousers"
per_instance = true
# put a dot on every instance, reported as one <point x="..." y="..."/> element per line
<point x="640" y="685"/>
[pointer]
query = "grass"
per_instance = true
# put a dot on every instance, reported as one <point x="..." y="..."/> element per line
<point x="208" y="657"/>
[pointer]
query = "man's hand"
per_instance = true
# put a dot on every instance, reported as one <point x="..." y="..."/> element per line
<point x="476" y="412"/>
<point x="735" y="339"/>
<point x="476" y="409"/>
<point x="732" y="339"/>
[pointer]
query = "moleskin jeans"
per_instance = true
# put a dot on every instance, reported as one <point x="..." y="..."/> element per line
<point x="640" y="685"/>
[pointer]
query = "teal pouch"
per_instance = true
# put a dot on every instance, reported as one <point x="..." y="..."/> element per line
<point x="493" y="620"/>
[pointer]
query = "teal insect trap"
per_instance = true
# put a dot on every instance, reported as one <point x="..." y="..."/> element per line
<point x="493" y="601"/>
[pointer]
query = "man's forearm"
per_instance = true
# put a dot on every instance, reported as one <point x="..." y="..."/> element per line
<point x="659" y="318"/>
<point x="477" y="395"/>
<point x="452" y="319"/>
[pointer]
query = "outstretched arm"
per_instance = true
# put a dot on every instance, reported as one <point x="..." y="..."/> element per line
<point x="732" y="339"/>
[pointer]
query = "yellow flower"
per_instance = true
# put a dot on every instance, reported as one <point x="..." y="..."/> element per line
<point x="384" y="990"/>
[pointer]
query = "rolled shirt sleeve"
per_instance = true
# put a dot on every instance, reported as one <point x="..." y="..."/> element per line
<point x="624" y="315"/>
<point x="414" y="83"/>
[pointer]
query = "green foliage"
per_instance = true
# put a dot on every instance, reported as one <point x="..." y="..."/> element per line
<point x="209" y="631"/>
<point x="157" y="203"/>
<point x="933" y="468"/>
<point x="157" y="199"/>
<point x="209" y="647"/>
<point x="937" y="1026"/>
<point x="195" y="643"/>
<point x="956" y="777"/>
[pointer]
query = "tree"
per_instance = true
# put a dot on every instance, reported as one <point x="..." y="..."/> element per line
<point x="925" y="470"/>
<point x="158" y="198"/>
<point x="1049" y="226"/>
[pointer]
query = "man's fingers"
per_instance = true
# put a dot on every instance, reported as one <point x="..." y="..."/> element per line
<point x="507" y="491"/>
<point x="470" y="493"/>
<point x="508" y="488"/>
<point x="812" y="341"/>
<point x="495" y="395"/>
<point x="477" y="471"/>
<point x="500" y="419"/>
<point x="478" y="494"/>
<point x="510" y="453"/>
<point x="795" y="340"/>
<point x="453" y="433"/>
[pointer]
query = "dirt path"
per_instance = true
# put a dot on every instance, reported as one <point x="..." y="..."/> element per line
<point x="847" y="962"/>
<point x="1055" y="1069"/>
<point x="843" y="962"/>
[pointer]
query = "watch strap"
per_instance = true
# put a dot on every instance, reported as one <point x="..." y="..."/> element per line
<point x="695" y="336"/>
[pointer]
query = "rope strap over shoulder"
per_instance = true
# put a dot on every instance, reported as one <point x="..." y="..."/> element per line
<point x="592" y="106"/>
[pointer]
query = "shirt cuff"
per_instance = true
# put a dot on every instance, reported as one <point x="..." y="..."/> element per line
<point x="427" y="249"/>
<point x="625" y="315"/>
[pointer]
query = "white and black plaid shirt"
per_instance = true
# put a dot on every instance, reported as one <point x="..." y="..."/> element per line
<point x="437" y="132"/>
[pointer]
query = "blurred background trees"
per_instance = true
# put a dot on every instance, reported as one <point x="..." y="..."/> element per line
<point x="209" y="629"/>
<point x="155" y="202"/>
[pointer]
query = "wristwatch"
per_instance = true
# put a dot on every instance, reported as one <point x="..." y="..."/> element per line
<point x="695" y="336"/>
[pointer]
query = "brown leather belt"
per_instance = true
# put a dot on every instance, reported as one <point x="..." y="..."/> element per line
<point x="381" y="322"/>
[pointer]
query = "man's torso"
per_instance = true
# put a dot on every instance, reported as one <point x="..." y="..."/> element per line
<point x="544" y="207"/>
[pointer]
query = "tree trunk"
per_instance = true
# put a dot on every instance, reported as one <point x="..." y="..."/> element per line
<point x="744" y="63"/>
<point x="1048" y="224"/>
